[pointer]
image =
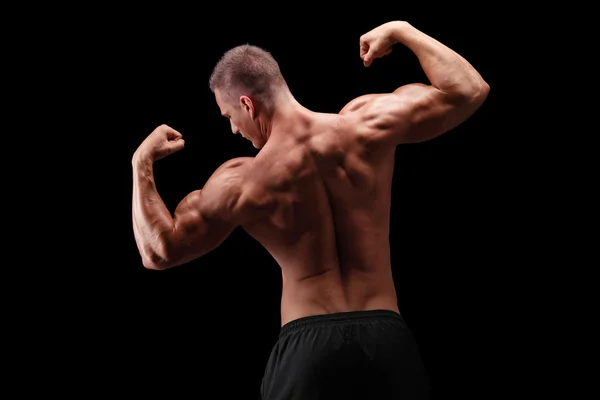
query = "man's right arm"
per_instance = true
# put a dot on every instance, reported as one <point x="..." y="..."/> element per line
<point x="416" y="112"/>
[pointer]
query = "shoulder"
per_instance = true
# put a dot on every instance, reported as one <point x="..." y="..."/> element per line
<point x="226" y="183"/>
<point x="369" y="116"/>
<point x="369" y="111"/>
<point x="358" y="103"/>
<point x="370" y="105"/>
<point x="229" y="179"/>
<point x="234" y="189"/>
<point x="232" y="175"/>
<point x="387" y="117"/>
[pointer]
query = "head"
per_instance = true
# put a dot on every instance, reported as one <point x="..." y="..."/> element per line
<point x="247" y="83"/>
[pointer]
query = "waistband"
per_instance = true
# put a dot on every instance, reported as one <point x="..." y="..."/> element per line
<point x="315" y="320"/>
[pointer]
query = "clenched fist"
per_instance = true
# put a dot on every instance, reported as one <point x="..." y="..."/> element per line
<point x="163" y="141"/>
<point x="378" y="42"/>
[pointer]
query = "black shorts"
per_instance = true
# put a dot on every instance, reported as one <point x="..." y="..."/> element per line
<point x="350" y="355"/>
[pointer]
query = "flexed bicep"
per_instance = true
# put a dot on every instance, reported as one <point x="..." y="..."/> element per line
<point x="206" y="217"/>
<point x="417" y="112"/>
<point x="195" y="231"/>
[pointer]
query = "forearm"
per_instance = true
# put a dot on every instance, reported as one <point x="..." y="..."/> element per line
<point x="151" y="218"/>
<point x="445" y="69"/>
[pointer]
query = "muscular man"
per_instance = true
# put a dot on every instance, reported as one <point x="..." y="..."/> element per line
<point x="317" y="197"/>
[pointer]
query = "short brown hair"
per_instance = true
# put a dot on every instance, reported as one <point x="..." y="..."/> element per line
<point x="247" y="69"/>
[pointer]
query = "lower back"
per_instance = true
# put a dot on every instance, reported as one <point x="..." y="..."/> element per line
<point x="331" y="293"/>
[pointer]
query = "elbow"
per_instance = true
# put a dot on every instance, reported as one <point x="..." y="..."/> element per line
<point x="153" y="264"/>
<point x="483" y="90"/>
<point x="473" y="97"/>
<point x="473" y="93"/>
<point x="479" y="92"/>
<point x="156" y="259"/>
<point x="479" y="95"/>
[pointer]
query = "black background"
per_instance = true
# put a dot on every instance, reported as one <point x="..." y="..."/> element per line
<point x="211" y="324"/>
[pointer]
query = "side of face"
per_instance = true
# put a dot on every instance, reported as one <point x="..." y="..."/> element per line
<point x="241" y="116"/>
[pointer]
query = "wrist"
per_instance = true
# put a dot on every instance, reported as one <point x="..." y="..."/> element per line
<point x="141" y="159"/>
<point x="398" y="30"/>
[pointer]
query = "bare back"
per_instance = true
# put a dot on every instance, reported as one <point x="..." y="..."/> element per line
<point x="328" y="185"/>
<point x="317" y="196"/>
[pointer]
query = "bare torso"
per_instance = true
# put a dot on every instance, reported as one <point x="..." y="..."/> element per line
<point x="317" y="196"/>
<point x="328" y="187"/>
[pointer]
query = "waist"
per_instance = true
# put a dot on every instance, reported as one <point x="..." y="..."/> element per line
<point x="293" y="310"/>
<point x="316" y="320"/>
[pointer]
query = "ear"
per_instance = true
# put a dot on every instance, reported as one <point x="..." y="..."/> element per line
<point x="247" y="105"/>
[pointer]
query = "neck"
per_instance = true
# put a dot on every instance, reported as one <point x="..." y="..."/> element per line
<point x="286" y="108"/>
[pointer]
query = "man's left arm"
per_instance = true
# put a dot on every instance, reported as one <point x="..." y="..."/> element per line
<point x="201" y="221"/>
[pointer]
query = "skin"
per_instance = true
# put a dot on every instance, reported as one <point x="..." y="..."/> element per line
<point x="317" y="195"/>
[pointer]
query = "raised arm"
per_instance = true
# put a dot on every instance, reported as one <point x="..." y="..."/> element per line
<point x="201" y="221"/>
<point x="417" y="112"/>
